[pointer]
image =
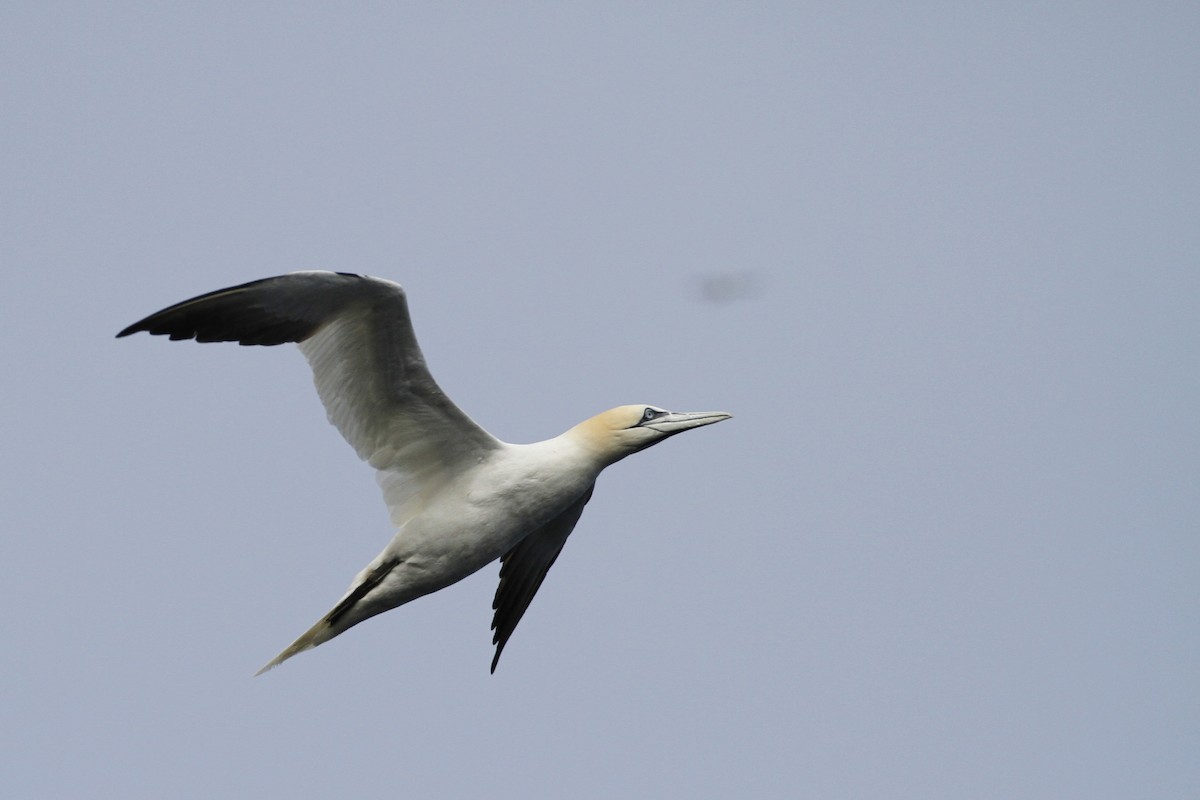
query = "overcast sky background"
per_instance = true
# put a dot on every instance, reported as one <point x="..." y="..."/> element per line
<point x="941" y="260"/>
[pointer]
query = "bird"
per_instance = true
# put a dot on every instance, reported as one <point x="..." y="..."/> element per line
<point x="458" y="497"/>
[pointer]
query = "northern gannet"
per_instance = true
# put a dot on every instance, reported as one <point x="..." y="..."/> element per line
<point x="458" y="497"/>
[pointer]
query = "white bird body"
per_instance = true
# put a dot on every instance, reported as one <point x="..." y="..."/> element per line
<point x="487" y="510"/>
<point x="458" y="497"/>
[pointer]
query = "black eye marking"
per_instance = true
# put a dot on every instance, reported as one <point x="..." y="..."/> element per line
<point x="650" y="414"/>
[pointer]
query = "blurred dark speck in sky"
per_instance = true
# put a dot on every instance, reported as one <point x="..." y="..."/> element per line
<point x="729" y="287"/>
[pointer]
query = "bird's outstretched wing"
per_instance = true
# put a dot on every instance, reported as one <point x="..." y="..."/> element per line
<point x="523" y="569"/>
<point x="358" y="338"/>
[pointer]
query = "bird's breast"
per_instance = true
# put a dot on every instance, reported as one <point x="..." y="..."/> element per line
<point x="506" y="498"/>
<point x="530" y="487"/>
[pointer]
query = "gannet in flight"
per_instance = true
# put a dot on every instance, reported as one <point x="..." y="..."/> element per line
<point x="459" y="498"/>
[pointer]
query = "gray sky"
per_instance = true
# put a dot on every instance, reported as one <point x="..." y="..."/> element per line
<point x="941" y="262"/>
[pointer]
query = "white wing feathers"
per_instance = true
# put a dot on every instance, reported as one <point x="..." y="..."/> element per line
<point x="358" y="338"/>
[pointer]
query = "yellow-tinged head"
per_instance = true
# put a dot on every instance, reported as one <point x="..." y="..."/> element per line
<point x="625" y="430"/>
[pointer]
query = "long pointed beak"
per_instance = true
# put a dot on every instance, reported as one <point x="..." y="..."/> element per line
<point x="680" y="421"/>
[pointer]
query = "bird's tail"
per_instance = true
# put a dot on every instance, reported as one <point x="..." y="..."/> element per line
<point x="323" y="631"/>
<point x="340" y="618"/>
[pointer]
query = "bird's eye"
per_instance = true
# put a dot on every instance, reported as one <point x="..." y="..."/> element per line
<point x="649" y="414"/>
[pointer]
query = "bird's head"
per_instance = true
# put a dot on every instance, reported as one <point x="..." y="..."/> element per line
<point x="625" y="430"/>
